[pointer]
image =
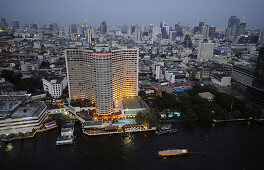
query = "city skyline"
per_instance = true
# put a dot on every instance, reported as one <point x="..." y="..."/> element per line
<point x="187" y="13"/>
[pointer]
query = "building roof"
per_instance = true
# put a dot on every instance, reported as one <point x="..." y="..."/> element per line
<point x="28" y="110"/>
<point x="206" y="95"/>
<point x="133" y="103"/>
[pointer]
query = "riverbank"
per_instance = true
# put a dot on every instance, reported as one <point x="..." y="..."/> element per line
<point x="28" y="136"/>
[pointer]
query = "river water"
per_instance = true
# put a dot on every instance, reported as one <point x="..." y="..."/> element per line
<point x="237" y="145"/>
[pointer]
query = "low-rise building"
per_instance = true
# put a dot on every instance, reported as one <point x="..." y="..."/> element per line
<point x="18" y="117"/>
<point x="54" y="85"/>
<point x="207" y="95"/>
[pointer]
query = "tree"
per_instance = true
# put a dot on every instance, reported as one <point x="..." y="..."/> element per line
<point x="148" y="116"/>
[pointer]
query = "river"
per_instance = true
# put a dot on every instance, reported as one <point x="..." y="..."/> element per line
<point x="234" y="145"/>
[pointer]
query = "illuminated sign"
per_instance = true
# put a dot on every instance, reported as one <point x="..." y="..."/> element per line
<point x="25" y="118"/>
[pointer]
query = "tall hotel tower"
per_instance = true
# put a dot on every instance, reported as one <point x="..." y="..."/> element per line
<point x="102" y="75"/>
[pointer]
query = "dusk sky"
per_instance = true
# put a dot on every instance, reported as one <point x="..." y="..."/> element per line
<point x="188" y="12"/>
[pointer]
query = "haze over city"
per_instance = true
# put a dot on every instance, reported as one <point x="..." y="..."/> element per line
<point x="187" y="12"/>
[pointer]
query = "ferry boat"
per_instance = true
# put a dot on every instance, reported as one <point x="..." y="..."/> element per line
<point x="173" y="152"/>
<point x="165" y="129"/>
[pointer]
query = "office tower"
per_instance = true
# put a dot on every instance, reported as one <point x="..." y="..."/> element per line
<point x="129" y="31"/>
<point x="205" y="31"/>
<point x="188" y="41"/>
<point x="242" y="28"/>
<point x="255" y="93"/>
<point x="205" y="51"/>
<point x="172" y="36"/>
<point x="196" y="30"/>
<point x="3" y="24"/>
<point x="232" y="28"/>
<point x="138" y="34"/>
<point x="73" y="28"/>
<point x="179" y="30"/>
<point x="162" y="24"/>
<point x="124" y="29"/>
<point x="55" y="26"/>
<point x="164" y="33"/>
<point x="201" y="24"/>
<point x="102" y="75"/>
<point x="211" y="31"/>
<point x="51" y="27"/>
<point x="16" y="24"/>
<point x="34" y="27"/>
<point x="150" y="29"/>
<point x="103" y="27"/>
<point x="89" y="36"/>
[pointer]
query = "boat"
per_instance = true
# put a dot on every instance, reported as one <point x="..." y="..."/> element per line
<point x="64" y="141"/>
<point x="173" y="152"/>
<point x="165" y="129"/>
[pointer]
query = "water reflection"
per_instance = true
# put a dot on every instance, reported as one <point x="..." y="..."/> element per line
<point x="9" y="147"/>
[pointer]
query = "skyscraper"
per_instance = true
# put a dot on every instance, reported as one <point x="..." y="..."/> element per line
<point x="179" y="30"/>
<point x="201" y="24"/>
<point x="89" y="35"/>
<point x="103" y="27"/>
<point x="102" y="75"/>
<point x="188" y="41"/>
<point x="255" y="93"/>
<point x="172" y="36"/>
<point x="138" y="34"/>
<point x="205" y="31"/>
<point x="232" y="28"/>
<point x="15" y="24"/>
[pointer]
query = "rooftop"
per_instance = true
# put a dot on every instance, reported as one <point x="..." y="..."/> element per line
<point x="133" y="103"/>
<point x="28" y="110"/>
<point x="206" y="95"/>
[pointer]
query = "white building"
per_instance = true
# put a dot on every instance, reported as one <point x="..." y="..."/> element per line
<point x="54" y="85"/>
<point x="205" y="51"/>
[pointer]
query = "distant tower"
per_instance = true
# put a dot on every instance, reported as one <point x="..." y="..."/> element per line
<point x="205" y="31"/>
<point x="232" y="28"/>
<point x="89" y="36"/>
<point x="138" y="34"/>
<point x="16" y="24"/>
<point x="103" y="27"/>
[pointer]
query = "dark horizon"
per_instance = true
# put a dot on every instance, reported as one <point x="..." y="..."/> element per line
<point x="117" y="12"/>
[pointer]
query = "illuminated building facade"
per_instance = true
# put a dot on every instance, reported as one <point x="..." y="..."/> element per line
<point x="102" y="75"/>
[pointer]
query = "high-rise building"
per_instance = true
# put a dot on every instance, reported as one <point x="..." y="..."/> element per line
<point x="103" y="27"/>
<point x="89" y="36"/>
<point x="188" y="41"/>
<point x="205" y="31"/>
<point x="73" y="28"/>
<point x="164" y="33"/>
<point x="211" y="31"/>
<point x="172" y="36"/>
<point x="205" y="51"/>
<point x="138" y="36"/>
<point x="102" y="75"/>
<point x="242" y="28"/>
<point x="16" y="24"/>
<point x="232" y="28"/>
<point x="179" y="30"/>
<point x="34" y="27"/>
<point x="201" y="24"/>
<point x="3" y="24"/>
<point x="255" y="93"/>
